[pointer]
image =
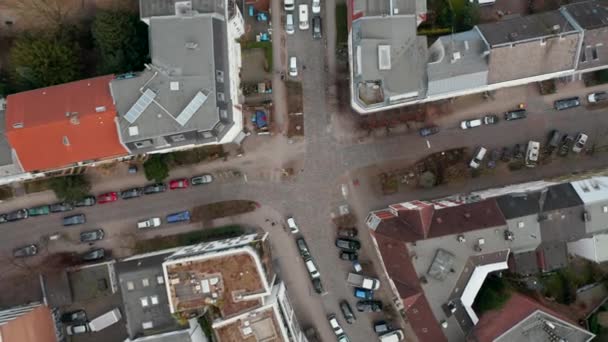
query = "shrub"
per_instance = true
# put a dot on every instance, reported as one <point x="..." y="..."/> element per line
<point x="156" y="167"/>
<point x="70" y="188"/>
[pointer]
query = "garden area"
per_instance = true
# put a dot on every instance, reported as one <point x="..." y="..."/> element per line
<point x="447" y="16"/>
<point x="157" y="166"/>
<point x="494" y="293"/>
<point x="190" y="238"/>
<point x="213" y="211"/>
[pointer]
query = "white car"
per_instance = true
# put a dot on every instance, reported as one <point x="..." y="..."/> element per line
<point x="312" y="268"/>
<point x="303" y="16"/>
<point x="293" y="67"/>
<point x="478" y="157"/>
<point x="466" y="124"/>
<point x="316" y="6"/>
<point x="600" y="96"/>
<point x="532" y="153"/>
<point x="149" y="223"/>
<point x="335" y="326"/>
<point x="293" y="227"/>
<point x="289" y="28"/>
<point x="579" y="142"/>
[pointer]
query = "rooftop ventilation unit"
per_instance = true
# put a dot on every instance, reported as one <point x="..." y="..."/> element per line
<point x="174" y="85"/>
<point x="191" y="45"/>
<point x="456" y="56"/>
<point x="140" y="106"/>
<point x="183" y="8"/>
<point x="384" y="57"/>
<point x="133" y="131"/>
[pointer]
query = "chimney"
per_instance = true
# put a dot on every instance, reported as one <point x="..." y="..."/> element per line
<point x="467" y="215"/>
<point x="455" y="56"/>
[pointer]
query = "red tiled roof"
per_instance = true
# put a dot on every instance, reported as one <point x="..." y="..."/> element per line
<point x="494" y="323"/>
<point x="45" y="138"/>
<point x="34" y="326"/>
<point x="466" y="217"/>
<point x="398" y="229"/>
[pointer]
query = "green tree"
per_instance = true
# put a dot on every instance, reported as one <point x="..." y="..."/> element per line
<point x="122" y="40"/>
<point x="70" y="188"/>
<point x="469" y="17"/>
<point x="156" y="167"/>
<point x="492" y="295"/>
<point x="41" y="62"/>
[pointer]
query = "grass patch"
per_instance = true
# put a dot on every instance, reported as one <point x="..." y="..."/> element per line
<point x="37" y="186"/>
<point x="341" y="24"/>
<point x="493" y="295"/>
<point x="6" y="192"/>
<point x="266" y="46"/>
<point x="196" y="155"/>
<point x="190" y="238"/>
<point x="217" y="210"/>
<point x="558" y="286"/>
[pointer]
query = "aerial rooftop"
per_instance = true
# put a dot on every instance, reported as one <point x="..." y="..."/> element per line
<point x="261" y="325"/>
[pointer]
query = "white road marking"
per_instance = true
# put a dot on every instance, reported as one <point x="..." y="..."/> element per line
<point x="428" y="144"/>
<point x="245" y="177"/>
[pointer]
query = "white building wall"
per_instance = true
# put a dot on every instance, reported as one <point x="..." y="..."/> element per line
<point x="587" y="248"/>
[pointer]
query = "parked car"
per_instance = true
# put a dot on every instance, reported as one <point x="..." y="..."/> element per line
<point x="317" y="285"/>
<point x="579" y="142"/>
<point x="74" y="220"/>
<point x="107" y="197"/>
<point x="181" y="183"/>
<point x="77" y="329"/>
<point x="91" y="235"/>
<point x="554" y="139"/>
<point x="316" y="27"/>
<point x="369" y="306"/>
<point x="303" y="16"/>
<point x="363" y="293"/>
<point x="490" y="119"/>
<point x="347" y="312"/>
<point x="381" y="327"/>
<point x="515" y="114"/>
<point x="39" y="210"/>
<point x="350" y="256"/>
<point x="568" y="103"/>
<point x="316" y="6"/>
<point x="290" y="5"/>
<point x="494" y="157"/>
<point x="149" y="223"/>
<point x="363" y="282"/>
<point x="466" y="124"/>
<point x="348" y="244"/>
<point x="506" y="154"/>
<point x="293" y="66"/>
<point x="335" y="326"/>
<point x="61" y="207"/>
<point x="312" y="268"/>
<point x="181" y="216"/>
<point x="94" y="254"/>
<point x="17" y="215"/>
<point x="303" y="248"/>
<point x="87" y="201"/>
<point x="347" y="232"/>
<point x="518" y="151"/>
<point x="202" y="179"/>
<point x="289" y="27"/>
<point x="3" y="218"/>
<point x="532" y="153"/>
<point x="25" y="251"/>
<point x="599" y="96"/>
<point x="426" y="131"/>
<point x="78" y="316"/>
<point x="131" y="193"/>
<point x="155" y="188"/>
<point x="480" y="153"/>
<point x="564" y="148"/>
<point x="291" y="224"/>
<point x="392" y="336"/>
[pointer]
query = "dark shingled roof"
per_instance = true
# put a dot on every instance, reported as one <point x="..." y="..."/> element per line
<point x="589" y="15"/>
<point x="561" y="196"/>
<point x="518" y="205"/>
<point x="466" y="217"/>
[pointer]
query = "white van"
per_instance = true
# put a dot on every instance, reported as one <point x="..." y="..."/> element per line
<point x="293" y="67"/>
<point x="478" y="157"/>
<point x="312" y="268"/>
<point x="290" y="5"/>
<point x="392" y="336"/>
<point x="149" y="223"/>
<point x="289" y="28"/>
<point x="532" y="153"/>
<point x="303" y="16"/>
<point x="105" y="320"/>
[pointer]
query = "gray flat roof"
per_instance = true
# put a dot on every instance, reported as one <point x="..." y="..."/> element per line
<point x="383" y="7"/>
<point x="555" y="255"/>
<point x="138" y="278"/>
<point x="519" y="29"/>
<point x="156" y="8"/>
<point x="526" y="262"/>
<point x="534" y="328"/>
<point x="589" y="15"/>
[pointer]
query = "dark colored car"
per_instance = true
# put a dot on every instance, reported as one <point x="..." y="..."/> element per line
<point x="25" y="251"/>
<point x="515" y="114"/>
<point x="181" y="216"/>
<point x="61" y="207"/>
<point x="39" y="210"/>
<point x="86" y="202"/>
<point x="518" y="152"/>
<point x="490" y="119"/>
<point x="131" y="193"/>
<point x="94" y="254"/>
<point x="73" y="220"/>
<point x="348" y="244"/>
<point x="369" y="306"/>
<point x="494" y="157"/>
<point x="155" y="188"/>
<point x="568" y="103"/>
<point x="316" y="27"/>
<point x="566" y="145"/>
<point x="317" y="285"/>
<point x="303" y="248"/>
<point x="426" y="131"/>
<point x="78" y="316"/>
<point x="506" y="154"/>
<point x="17" y="215"/>
<point x="347" y="232"/>
<point x="350" y="256"/>
<point x="91" y="235"/>
<point x="347" y="311"/>
<point x="554" y="139"/>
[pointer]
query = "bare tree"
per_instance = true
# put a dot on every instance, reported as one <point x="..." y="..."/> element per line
<point x="52" y="14"/>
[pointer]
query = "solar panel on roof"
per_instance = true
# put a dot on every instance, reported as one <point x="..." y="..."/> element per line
<point x="194" y="105"/>
<point x="140" y="105"/>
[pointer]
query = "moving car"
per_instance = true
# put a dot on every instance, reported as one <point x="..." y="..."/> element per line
<point x="202" y="179"/>
<point x="579" y="142"/>
<point x="25" y="251"/>
<point x="316" y="27"/>
<point x="515" y="114"/>
<point x="155" y="188"/>
<point x="478" y="157"/>
<point x="348" y="244"/>
<point x="293" y="67"/>
<point x="490" y="119"/>
<point x="350" y="256"/>
<point x="39" y="210"/>
<point x="303" y="16"/>
<point x="178" y="217"/>
<point x="60" y="207"/>
<point x="77" y="316"/>
<point x="426" y="131"/>
<point x="181" y="183"/>
<point x="567" y="103"/>
<point x="347" y="311"/>
<point x="149" y="223"/>
<point x="289" y="27"/>
<point x="17" y="215"/>
<point x="532" y="153"/>
<point x="567" y="142"/>
<point x="107" y="197"/>
<point x="94" y="254"/>
<point x="73" y="220"/>
<point x="316" y="6"/>
<point x="303" y="248"/>
<point x="91" y="235"/>
<point x="335" y="326"/>
<point x="369" y="306"/>
<point x="291" y="224"/>
<point x="466" y="124"/>
<point x="131" y="193"/>
<point x="600" y="96"/>
<point x="87" y="201"/>
<point x="77" y="329"/>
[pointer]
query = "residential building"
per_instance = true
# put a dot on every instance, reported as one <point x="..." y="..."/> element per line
<point x="189" y="95"/>
<point x="438" y="253"/>
<point x="390" y="70"/>
<point x="32" y="322"/>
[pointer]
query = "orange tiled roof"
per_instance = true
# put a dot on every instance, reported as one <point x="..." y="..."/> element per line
<point x="35" y="326"/>
<point x="45" y="138"/>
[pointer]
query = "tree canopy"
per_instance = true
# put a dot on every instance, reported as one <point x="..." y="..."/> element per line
<point x="156" y="167"/>
<point x="70" y="188"/>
